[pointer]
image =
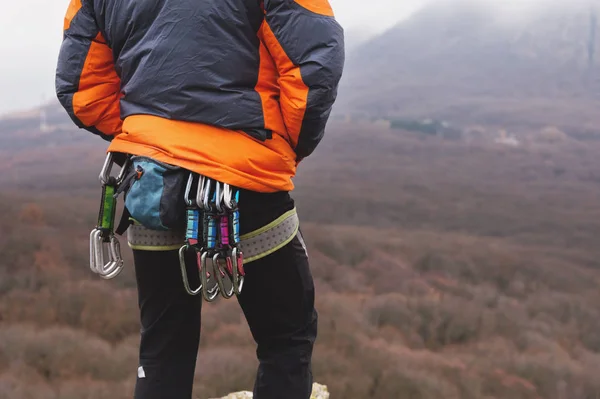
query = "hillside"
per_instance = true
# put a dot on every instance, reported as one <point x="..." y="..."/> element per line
<point x="482" y="62"/>
<point x="442" y="270"/>
<point x="40" y="148"/>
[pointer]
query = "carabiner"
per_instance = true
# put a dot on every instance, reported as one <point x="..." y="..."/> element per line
<point x="209" y="294"/>
<point x="106" y="169"/>
<point x="115" y="265"/>
<point x="230" y="203"/>
<point x="238" y="274"/>
<point x="218" y="197"/>
<point x="200" y="192"/>
<point x="93" y="246"/>
<point x="184" y="276"/>
<point x="206" y="194"/>
<point x="123" y="173"/>
<point x="222" y="277"/>
<point x="102" y="238"/>
<point x="98" y="251"/>
<point x="188" y="190"/>
<point x="98" y="244"/>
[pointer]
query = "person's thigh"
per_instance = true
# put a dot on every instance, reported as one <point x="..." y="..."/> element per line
<point x="278" y="300"/>
<point x="170" y="327"/>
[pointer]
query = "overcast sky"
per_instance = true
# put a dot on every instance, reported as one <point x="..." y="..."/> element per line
<point x="31" y="34"/>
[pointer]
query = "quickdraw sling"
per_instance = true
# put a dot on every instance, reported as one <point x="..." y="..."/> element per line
<point x="219" y="258"/>
<point x="105" y="249"/>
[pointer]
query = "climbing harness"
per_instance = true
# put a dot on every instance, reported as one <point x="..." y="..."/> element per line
<point x="105" y="249"/>
<point x="211" y="232"/>
<point x="254" y="245"/>
<point x="219" y="259"/>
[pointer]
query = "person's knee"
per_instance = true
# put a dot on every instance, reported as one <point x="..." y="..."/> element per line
<point x="297" y="344"/>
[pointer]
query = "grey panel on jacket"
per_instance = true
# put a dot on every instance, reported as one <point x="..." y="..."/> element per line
<point x="186" y="59"/>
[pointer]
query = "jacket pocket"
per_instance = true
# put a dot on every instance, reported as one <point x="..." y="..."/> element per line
<point x="259" y="134"/>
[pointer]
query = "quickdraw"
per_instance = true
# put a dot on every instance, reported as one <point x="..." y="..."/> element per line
<point x="219" y="259"/>
<point x="191" y="235"/>
<point x="236" y="256"/>
<point x="103" y="242"/>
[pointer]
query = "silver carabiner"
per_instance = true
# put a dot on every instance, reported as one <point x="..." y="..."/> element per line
<point x="228" y="197"/>
<point x="219" y="196"/>
<point x="222" y="277"/>
<point x="98" y="264"/>
<point x="188" y="190"/>
<point x="209" y="294"/>
<point x="106" y="169"/>
<point x="115" y="265"/>
<point x="98" y="251"/>
<point x="184" y="276"/>
<point x="200" y="192"/>
<point x="206" y="194"/>
<point x="93" y="249"/>
<point x="237" y="271"/>
<point x="123" y="173"/>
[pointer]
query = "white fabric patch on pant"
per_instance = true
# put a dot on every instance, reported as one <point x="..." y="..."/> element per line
<point x="141" y="372"/>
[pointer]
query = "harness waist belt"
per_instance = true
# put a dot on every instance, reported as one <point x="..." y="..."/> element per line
<point x="254" y="245"/>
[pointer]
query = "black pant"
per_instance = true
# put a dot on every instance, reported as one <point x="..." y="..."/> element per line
<point x="277" y="300"/>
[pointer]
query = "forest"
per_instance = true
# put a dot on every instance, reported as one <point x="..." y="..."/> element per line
<point x="442" y="269"/>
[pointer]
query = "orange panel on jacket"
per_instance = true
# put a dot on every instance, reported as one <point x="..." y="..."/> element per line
<point x="225" y="155"/>
<point x="321" y="7"/>
<point x="96" y="102"/>
<point x="293" y="91"/>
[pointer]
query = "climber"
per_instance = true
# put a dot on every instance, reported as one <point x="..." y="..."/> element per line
<point x="237" y="91"/>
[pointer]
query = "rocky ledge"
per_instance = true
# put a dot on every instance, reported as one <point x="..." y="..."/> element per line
<point x="319" y="392"/>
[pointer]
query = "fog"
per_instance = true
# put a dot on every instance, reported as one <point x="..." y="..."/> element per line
<point x="31" y="35"/>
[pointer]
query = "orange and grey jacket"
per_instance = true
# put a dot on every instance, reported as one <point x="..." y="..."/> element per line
<point x="237" y="90"/>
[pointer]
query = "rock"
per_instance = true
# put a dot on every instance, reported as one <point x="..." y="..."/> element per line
<point x="319" y="392"/>
<point x="239" y="395"/>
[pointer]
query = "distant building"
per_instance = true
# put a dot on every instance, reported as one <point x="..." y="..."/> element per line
<point x="428" y="126"/>
<point x="44" y="126"/>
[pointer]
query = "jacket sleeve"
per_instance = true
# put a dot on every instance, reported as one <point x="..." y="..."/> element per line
<point x="87" y="84"/>
<point x="307" y="45"/>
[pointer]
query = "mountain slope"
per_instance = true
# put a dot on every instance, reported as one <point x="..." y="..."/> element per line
<point x="481" y="62"/>
<point x="356" y="37"/>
